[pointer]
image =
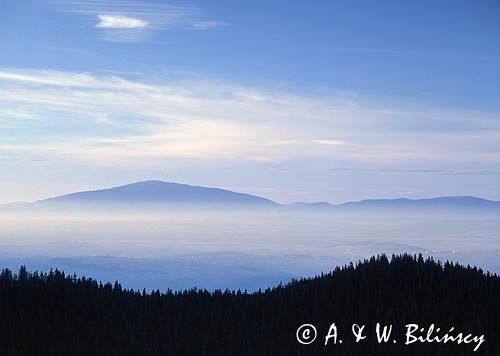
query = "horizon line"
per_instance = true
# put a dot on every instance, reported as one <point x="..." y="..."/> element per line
<point x="238" y="192"/>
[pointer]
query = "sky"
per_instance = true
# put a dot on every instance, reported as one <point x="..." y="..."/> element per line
<point x="291" y="100"/>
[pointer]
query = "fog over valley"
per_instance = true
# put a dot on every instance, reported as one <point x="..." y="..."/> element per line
<point x="247" y="248"/>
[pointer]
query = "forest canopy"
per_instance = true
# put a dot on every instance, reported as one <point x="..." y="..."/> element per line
<point x="57" y="314"/>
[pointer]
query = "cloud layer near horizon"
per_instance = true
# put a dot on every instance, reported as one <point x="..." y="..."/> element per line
<point x="100" y="120"/>
<point x="112" y="117"/>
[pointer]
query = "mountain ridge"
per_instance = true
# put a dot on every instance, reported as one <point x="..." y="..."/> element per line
<point x="160" y="192"/>
<point x="155" y="191"/>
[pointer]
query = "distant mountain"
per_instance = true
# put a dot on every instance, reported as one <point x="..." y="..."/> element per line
<point x="441" y="203"/>
<point x="154" y="192"/>
<point x="157" y="192"/>
<point x="454" y="203"/>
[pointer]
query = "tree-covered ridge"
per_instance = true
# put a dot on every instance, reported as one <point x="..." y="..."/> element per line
<point x="56" y="314"/>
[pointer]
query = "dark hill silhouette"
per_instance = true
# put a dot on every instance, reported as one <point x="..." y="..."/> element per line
<point x="53" y="314"/>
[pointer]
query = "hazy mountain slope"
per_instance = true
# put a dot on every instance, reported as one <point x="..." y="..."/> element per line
<point x="160" y="192"/>
<point x="453" y="203"/>
<point x="456" y="202"/>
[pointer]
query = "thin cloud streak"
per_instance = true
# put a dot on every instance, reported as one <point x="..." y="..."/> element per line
<point x="135" y="21"/>
<point x="421" y="171"/>
<point x="111" y="120"/>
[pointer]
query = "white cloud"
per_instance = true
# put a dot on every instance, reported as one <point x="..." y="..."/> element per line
<point x="119" y="21"/>
<point x="329" y="142"/>
<point x="205" y="25"/>
<point x="112" y="120"/>
<point x="88" y="127"/>
<point x="133" y="20"/>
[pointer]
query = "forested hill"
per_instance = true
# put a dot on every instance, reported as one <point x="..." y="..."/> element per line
<point x="54" y="314"/>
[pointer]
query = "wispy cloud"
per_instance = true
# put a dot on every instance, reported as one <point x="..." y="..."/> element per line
<point x="329" y="142"/>
<point x="119" y="21"/>
<point x="205" y="25"/>
<point x="421" y="171"/>
<point x="134" y="20"/>
<point x="111" y="120"/>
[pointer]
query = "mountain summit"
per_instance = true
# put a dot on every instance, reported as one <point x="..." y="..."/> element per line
<point x="154" y="193"/>
<point x="158" y="192"/>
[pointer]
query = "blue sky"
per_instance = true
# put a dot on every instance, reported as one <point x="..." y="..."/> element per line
<point x="292" y="100"/>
